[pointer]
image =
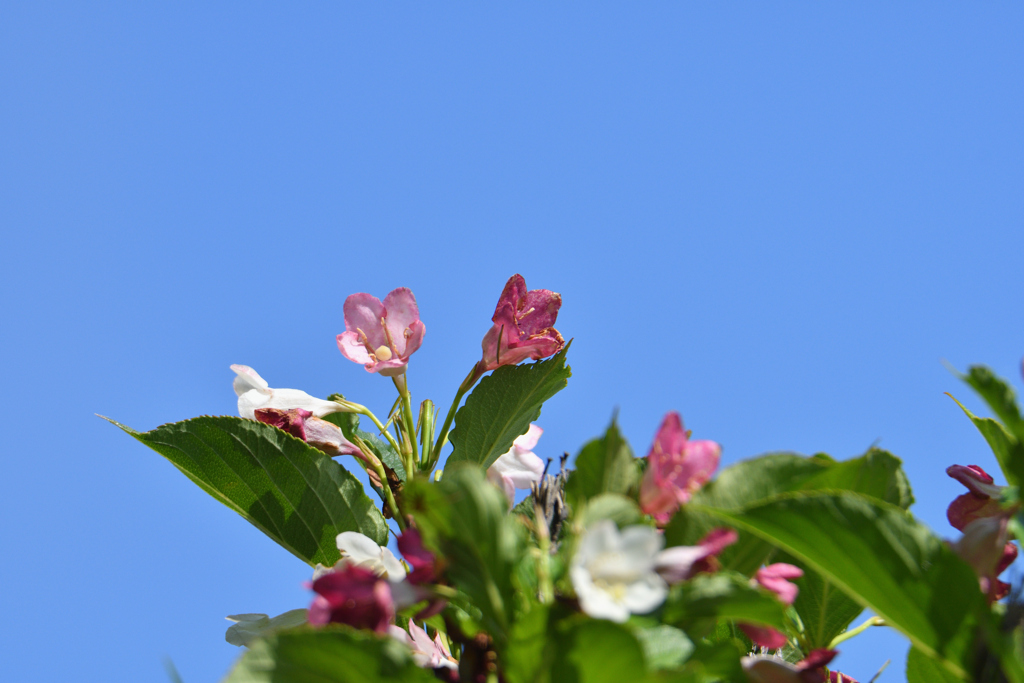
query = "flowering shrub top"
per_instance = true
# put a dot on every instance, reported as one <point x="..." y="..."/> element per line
<point x="621" y="568"/>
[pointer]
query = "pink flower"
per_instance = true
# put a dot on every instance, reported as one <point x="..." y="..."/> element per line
<point x="983" y="500"/>
<point x="427" y="653"/>
<point x="985" y="547"/>
<point x="523" y="326"/>
<point x="676" y="467"/>
<point x="355" y="596"/>
<point x="774" y="578"/>
<point x="303" y="424"/>
<point x="382" y="336"/>
<point x="682" y="562"/>
<point x="765" y="636"/>
<point x="520" y="467"/>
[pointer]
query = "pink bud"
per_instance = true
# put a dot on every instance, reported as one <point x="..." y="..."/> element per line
<point x="774" y="578"/>
<point x="422" y="561"/>
<point x="318" y="433"/>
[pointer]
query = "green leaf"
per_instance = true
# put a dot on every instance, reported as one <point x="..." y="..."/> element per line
<point x="825" y="610"/>
<point x="604" y="465"/>
<point x="329" y="655"/>
<point x="530" y="647"/>
<point x="349" y="423"/>
<point x="877" y="473"/>
<point x="665" y="647"/>
<point x="708" y="598"/>
<point x="289" y="490"/>
<point x="882" y="558"/>
<point x="998" y="395"/>
<point x="464" y="517"/>
<point x="502" y="407"/>
<point x="621" y="510"/>
<point x="924" y="669"/>
<point x="596" y="651"/>
<point x="1008" y="450"/>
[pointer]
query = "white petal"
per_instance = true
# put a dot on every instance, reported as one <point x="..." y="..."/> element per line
<point x="289" y="399"/>
<point x="247" y="379"/>
<point x="642" y="542"/>
<point x="675" y="563"/>
<point x="644" y="595"/>
<point x="528" y="441"/>
<point x="393" y="569"/>
<point x="250" y="401"/>
<point x="358" y="548"/>
<point x="594" y="601"/>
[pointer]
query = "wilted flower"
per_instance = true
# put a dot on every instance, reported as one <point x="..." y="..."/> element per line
<point x="682" y="562"/>
<point x="382" y="336"/>
<point x="355" y="596"/>
<point x="254" y="393"/>
<point x="318" y="433"/>
<point x="359" y="550"/>
<point x="983" y="500"/>
<point x="519" y="468"/>
<point x="427" y="653"/>
<point x="614" y="573"/>
<point x="985" y="547"/>
<point x="768" y="669"/>
<point x="523" y="326"/>
<point x="676" y="467"/>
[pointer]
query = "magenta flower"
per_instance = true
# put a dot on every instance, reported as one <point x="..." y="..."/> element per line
<point x="318" y="433"/>
<point x="676" y="467"/>
<point x="775" y="577"/>
<point x="355" y="596"/>
<point x="983" y="499"/>
<point x="382" y="336"/>
<point x="523" y="326"/>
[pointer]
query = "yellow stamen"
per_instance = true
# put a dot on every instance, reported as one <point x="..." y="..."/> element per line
<point x="382" y="353"/>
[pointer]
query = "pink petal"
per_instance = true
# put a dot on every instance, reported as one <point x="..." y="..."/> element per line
<point x="364" y="311"/>
<point x="671" y="436"/>
<point x="700" y="460"/>
<point x="351" y="346"/>
<point x="968" y="507"/>
<point x="764" y="636"/>
<point x="975" y="479"/>
<point x="539" y="311"/>
<point x="774" y="578"/>
<point x="528" y="441"/>
<point x="511" y="295"/>
<point x="401" y="313"/>
<point x="718" y="540"/>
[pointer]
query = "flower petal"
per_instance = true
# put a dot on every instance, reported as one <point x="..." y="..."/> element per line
<point x="247" y="379"/>
<point x="364" y="312"/>
<point x="401" y="314"/>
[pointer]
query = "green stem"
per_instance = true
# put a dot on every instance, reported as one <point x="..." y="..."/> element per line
<point x="385" y="485"/>
<point x="873" y="621"/>
<point x="363" y="410"/>
<point x="408" y="425"/>
<point x="442" y="438"/>
<point x="546" y="589"/>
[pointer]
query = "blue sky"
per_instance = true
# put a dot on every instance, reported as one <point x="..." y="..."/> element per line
<point x="776" y="220"/>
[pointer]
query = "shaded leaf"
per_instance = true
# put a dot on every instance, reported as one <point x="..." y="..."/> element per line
<point x="290" y="491"/>
<point x="604" y="465"/>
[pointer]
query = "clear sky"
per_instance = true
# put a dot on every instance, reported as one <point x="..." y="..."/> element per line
<point x="778" y="220"/>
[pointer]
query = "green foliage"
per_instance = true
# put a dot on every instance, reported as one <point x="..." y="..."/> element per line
<point x="1006" y="438"/>
<point x="289" y="490"/>
<point x="695" y="605"/>
<point x="596" y="651"/>
<point x="331" y="655"/>
<point x="825" y="610"/>
<point x="882" y="558"/>
<point x="621" y="510"/>
<point x="502" y="407"/>
<point x="604" y="465"/>
<point x="923" y="669"/>
<point x="349" y="423"/>
<point x="877" y="473"/>
<point x="665" y="647"/>
<point x="465" y="518"/>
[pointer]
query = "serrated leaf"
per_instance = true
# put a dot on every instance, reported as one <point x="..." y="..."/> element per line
<point x="825" y="610"/>
<point x="604" y="465"/>
<point x="882" y="558"/>
<point x="1008" y="450"/>
<point x="502" y="407"/>
<point x="290" y="491"/>
<point x="999" y="396"/>
<point x="708" y="598"/>
<point x="330" y="655"/>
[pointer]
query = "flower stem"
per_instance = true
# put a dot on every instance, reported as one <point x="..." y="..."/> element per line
<point x="363" y="410"/>
<point x="373" y="462"/>
<point x="442" y="438"/>
<point x="408" y="425"/>
<point x="873" y="621"/>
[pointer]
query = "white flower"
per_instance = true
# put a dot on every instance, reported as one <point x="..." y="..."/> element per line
<point x="249" y="627"/>
<point x="520" y="467"/>
<point x="426" y="653"/>
<point x="361" y="551"/>
<point x="614" y="573"/>
<point x="254" y="392"/>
